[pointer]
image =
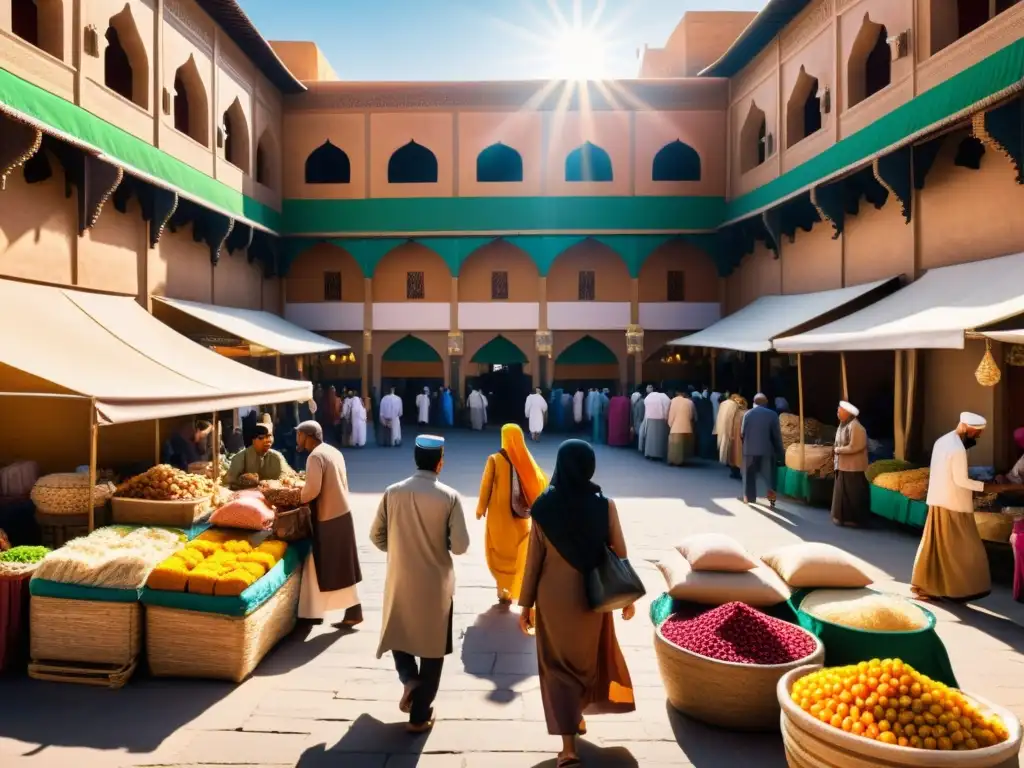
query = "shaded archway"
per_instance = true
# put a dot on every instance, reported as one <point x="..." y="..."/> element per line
<point x="587" y="362"/>
<point x="409" y="365"/>
<point x="412" y="164"/>
<point x="191" y="106"/>
<point x="266" y="160"/>
<point x="328" y="164"/>
<point x="870" y="66"/>
<point x="676" y="161"/>
<point x="236" y="137"/>
<point x="753" y="139"/>
<point x="676" y="368"/>
<point x="588" y="163"/>
<point x="803" y="110"/>
<point x="499" y="351"/>
<point x="125" y="61"/>
<point x="499" y="271"/>
<point x="498" y="163"/>
<point x="40" y="23"/>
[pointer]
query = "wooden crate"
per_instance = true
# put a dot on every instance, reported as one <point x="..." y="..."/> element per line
<point x="102" y="675"/>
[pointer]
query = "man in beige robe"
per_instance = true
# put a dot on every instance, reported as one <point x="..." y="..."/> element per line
<point x="420" y="524"/>
<point x="681" y="416"/>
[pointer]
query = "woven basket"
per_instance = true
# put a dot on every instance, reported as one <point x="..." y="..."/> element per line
<point x="182" y="643"/>
<point x="994" y="526"/>
<point x="282" y="498"/>
<point x="173" y="514"/>
<point x="734" y="696"/>
<point x="88" y="631"/>
<point x="817" y="459"/>
<point x="988" y="373"/>
<point x="812" y="744"/>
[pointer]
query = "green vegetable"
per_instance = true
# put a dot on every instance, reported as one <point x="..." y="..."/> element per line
<point x="24" y="555"/>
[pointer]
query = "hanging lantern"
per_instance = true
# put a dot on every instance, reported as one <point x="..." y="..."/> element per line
<point x="988" y="373"/>
<point x="634" y="340"/>
<point x="545" y="341"/>
<point x="332" y="357"/>
<point x="455" y="343"/>
<point x="367" y="342"/>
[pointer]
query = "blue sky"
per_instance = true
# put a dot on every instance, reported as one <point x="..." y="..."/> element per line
<point x="471" y="39"/>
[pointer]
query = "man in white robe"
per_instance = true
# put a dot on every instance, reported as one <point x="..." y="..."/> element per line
<point x="346" y="419"/>
<point x="656" y="407"/>
<point x="536" y="407"/>
<point x="577" y="407"/>
<point x="391" y="418"/>
<point x="358" y="422"/>
<point x="423" y="406"/>
<point x="477" y="409"/>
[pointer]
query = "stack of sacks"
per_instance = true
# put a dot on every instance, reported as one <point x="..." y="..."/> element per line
<point x="789" y="424"/>
<point x="811" y="564"/>
<point x="815" y="460"/>
<point x="216" y="565"/>
<point x="715" y="569"/>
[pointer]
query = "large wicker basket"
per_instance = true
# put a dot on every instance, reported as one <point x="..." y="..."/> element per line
<point x="812" y="744"/>
<point x="89" y="631"/>
<point x="723" y="693"/>
<point x="994" y="526"/>
<point x="182" y="643"/>
<point x="174" y="514"/>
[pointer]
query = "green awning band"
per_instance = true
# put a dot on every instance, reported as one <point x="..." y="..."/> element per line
<point x="499" y="351"/>
<point x="409" y="349"/>
<point x="587" y="351"/>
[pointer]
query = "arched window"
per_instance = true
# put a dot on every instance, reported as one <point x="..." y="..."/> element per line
<point x="266" y="159"/>
<point x="588" y="163"/>
<point x="236" y="137"/>
<point x="125" y="61"/>
<point x="753" y="139"/>
<point x="499" y="162"/>
<point x="803" y="111"/>
<point x="950" y="20"/>
<point x="40" y="23"/>
<point x="328" y="164"/>
<point x="676" y="161"/>
<point x="412" y="164"/>
<point x="190" y="104"/>
<point x="870" y="66"/>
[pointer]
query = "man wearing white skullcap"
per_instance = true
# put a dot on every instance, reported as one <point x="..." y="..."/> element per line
<point x="851" y="498"/>
<point x="951" y="560"/>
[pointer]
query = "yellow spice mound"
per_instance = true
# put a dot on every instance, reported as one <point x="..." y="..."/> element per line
<point x="889" y="701"/>
<point x="216" y="566"/>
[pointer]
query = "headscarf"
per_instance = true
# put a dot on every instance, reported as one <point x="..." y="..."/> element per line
<point x="531" y="477"/>
<point x="572" y="512"/>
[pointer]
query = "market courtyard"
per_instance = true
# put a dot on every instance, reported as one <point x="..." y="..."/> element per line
<point x="323" y="698"/>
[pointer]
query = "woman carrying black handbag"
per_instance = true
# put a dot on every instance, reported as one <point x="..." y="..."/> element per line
<point x="576" y="575"/>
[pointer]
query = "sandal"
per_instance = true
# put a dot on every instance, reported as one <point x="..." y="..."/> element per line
<point x="418" y="728"/>
<point x="570" y="761"/>
<point x="405" y="703"/>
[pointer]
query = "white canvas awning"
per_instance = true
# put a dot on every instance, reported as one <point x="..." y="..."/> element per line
<point x="933" y="312"/>
<point x="110" y="348"/>
<point x="262" y="329"/>
<point x="753" y="328"/>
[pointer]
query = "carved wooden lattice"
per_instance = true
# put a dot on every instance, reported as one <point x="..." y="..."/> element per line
<point x="332" y="286"/>
<point x="499" y="285"/>
<point x="414" y="285"/>
<point x="587" y="285"/>
<point x="676" y="285"/>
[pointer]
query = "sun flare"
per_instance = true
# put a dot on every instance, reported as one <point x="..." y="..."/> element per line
<point x="579" y="54"/>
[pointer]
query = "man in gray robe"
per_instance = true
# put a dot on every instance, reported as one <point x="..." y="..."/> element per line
<point x="420" y="524"/>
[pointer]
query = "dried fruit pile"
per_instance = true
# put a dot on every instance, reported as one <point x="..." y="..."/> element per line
<point x="889" y="701"/>
<point x="165" y="483"/>
<point x="737" y="633"/>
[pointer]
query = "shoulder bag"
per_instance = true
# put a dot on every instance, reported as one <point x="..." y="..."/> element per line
<point x="520" y="506"/>
<point x="294" y="525"/>
<point x="613" y="584"/>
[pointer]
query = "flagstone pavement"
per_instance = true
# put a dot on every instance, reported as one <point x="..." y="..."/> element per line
<point x="323" y="698"/>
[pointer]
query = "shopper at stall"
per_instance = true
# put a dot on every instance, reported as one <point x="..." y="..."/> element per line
<point x="420" y="524"/>
<point x="951" y="561"/>
<point x="682" y="414"/>
<point x="259" y="459"/>
<point x="331" y="573"/>
<point x="582" y="669"/>
<point x="391" y="419"/>
<point x="761" y="436"/>
<point x="851" y="498"/>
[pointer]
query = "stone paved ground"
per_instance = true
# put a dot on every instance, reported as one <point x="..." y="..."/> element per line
<point x="323" y="699"/>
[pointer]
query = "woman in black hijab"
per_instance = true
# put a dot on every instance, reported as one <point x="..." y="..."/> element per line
<point x="582" y="669"/>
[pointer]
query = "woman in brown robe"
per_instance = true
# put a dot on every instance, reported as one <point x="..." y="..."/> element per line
<point x="582" y="669"/>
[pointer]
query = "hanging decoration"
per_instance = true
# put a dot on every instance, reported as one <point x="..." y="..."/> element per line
<point x="988" y="373"/>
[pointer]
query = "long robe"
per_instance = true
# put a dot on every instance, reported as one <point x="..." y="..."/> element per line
<point x="423" y="408"/>
<point x="358" y="422"/>
<point x="477" y="410"/>
<point x="637" y="416"/>
<point x="331" y="571"/>
<point x="447" y="408"/>
<point x="391" y="411"/>
<point x="724" y="430"/>
<point x="566" y="421"/>
<point x="656" y="407"/>
<point x="599" y="421"/>
<point x="705" y="427"/>
<point x="577" y="407"/>
<point x="618" y="421"/>
<point x="535" y="410"/>
<point x="506" y="537"/>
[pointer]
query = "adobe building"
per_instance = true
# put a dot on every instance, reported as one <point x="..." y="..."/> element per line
<point x="164" y="149"/>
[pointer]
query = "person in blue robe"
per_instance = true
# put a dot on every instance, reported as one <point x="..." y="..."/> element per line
<point x="555" y="415"/>
<point x="447" y="408"/>
<point x="599" y="421"/>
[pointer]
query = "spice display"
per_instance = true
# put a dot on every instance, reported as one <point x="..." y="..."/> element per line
<point x="737" y="633"/>
<point x="67" y="493"/>
<point x="165" y="483"/>
<point x="815" y="460"/>
<point x="909" y="481"/>
<point x="889" y="701"/>
<point x="113" y="558"/>
<point x="285" y="493"/>
<point x="24" y="554"/>
<point x="789" y="423"/>
<point x="216" y="565"/>
<point x="875" y="612"/>
<point x="885" y="466"/>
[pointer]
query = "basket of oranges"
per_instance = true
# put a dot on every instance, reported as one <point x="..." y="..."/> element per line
<point x="884" y="714"/>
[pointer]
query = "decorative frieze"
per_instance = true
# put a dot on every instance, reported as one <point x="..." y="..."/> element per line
<point x="178" y="17"/>
<point x="798" y="33"/>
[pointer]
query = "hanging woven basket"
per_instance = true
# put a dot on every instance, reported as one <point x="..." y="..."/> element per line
<point x="988" y="373"/>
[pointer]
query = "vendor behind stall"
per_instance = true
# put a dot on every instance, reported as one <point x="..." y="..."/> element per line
<point x="183" y="447"/>
<point x="258" y="459"/>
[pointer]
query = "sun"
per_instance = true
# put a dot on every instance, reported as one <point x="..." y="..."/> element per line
<point x="579" y="54"/>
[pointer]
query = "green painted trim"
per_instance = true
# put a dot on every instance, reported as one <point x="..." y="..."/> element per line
<point x="587" y="351"/>
<point x="998" y="73"/>
<point x="500" y="351"/>
<point x="410" y="349"/>
<point x="511" y="215"/>
<point x="60" y="115"/>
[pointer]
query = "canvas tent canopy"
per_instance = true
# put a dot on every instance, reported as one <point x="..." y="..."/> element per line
<point x="110" y="349"/>
<point x="934" y="312"/>
<point x="261" y="330"/>
<point x="754" y="328"/>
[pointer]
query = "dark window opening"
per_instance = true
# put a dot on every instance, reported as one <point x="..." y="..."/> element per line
<point x="812" y="111"/>
<point x="117" y="67"/>
<point x="878" y="70"/>
<point x="676" y="162"/>
<point x="328" y="164"/>
<point x="753" y="147"/>
<point x="499" y="285"/>
<point x="412" y="164"/>
<point x="971" y="14"/>
<point x="587" y="285"/>
<point x="499" y="163"/>
<point x="1005" y="5"/>
<point x="676" y="285"/>
<point x="25" y="21"/>
<point x="332" y="286"/>
<point x="262" y="165"/>
<point x="762" y="141"/>
<point x="588" y="163"/>
<point x="414" y="285"/>
<point x="182" y="121"/>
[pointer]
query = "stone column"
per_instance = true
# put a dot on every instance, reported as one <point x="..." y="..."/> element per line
<point x="543" y="379"/>
<point x="452" y="370"/>
<point x="366" y="361"/>
<point x="635" y="362"/>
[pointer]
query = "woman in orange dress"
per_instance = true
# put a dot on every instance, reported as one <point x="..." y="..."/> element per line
<point x="511" y="483"/>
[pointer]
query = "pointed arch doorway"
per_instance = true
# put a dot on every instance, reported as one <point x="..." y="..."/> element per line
<point x="409" y="365"/>
<point x="587" y="363"/>
<point x="500" y="376"/>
